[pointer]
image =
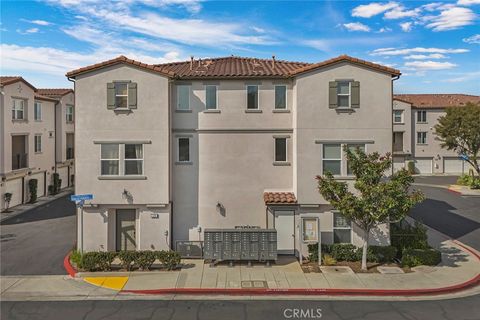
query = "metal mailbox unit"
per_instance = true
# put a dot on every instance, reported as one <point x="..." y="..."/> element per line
<point x="240" y="244"/>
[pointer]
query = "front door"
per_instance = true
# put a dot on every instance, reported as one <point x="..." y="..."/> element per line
<point x="285" y="226"/>
<point x="125" y="229"/>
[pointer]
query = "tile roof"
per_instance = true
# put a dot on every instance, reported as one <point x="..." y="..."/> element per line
<point x="6" y="80"/>
<point x="54" y="92"/>
<point x="437" y="100"/>
<point x="232" y="67"/>
<point x="279" y="198"/>
<point x="42" y="97"/>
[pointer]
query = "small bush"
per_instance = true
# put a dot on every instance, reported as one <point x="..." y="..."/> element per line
<point x="344" y="252"/>
<point x="32" y="188"/>
<point x="384" y="254"/>
<point x="7" y="197"/>
<point x="371" y="257"/>
<point x="145" y="259"/>
<point x="313" y="251"/>
<point x="105" y="260"/>
<point x="411" y="167"/>
<point x="328" y="260"/>
<point x="127" y="259"/>
<point x="416" y="257"/>
<point x="169" y="259"/>
<point x="475" y="184"/>
<point x="465" y="180"/>
<point x="56" y="183"/>
<point x="76" y="258"/>
<point x="90" y="261"/>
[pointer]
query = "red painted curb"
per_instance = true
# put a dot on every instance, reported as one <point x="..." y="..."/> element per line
<point x="321" y="291"/>
<point x="68" y="266"/>
<point x="454" y="191"/>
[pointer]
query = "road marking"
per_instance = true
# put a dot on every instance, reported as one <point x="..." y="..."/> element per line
<point x="115" y="283"/>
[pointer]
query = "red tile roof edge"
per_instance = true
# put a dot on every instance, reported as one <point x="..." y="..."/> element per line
<point x="14" y="79"/>
<point x="279" y="198"/>
<point x="436" y="100"/>
<point x="54" y="91"/>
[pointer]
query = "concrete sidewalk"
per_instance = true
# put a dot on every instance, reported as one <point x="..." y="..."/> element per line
<point x="464" y="190"/>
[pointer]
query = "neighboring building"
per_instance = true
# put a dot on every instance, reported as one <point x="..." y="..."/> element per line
<point x="169" y="150"/>
<point x="414" y="139"/>
<point x="27" y="137"/>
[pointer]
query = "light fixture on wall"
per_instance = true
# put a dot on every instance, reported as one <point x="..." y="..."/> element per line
<point x="126" y="194"/>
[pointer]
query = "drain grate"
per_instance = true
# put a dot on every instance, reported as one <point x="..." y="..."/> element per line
<point x="254" y="284"/>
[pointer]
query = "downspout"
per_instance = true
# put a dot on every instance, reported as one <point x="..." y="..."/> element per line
<point x="74" y="148"/>
<point x="391" y="115"/>
<point x="170" y="163"/>
<point x="55" y="134"/>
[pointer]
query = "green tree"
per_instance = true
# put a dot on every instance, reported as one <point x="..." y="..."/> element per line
<point x="459" y="130"/>
<point x="378" y="199"/>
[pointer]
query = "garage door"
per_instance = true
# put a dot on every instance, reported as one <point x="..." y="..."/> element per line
<point x="452" y="165"/>
<point x="398" y="163"/>
<point x="63" y="174"/>
<point x="15" y="188"/>
<point x="423" y="166"/>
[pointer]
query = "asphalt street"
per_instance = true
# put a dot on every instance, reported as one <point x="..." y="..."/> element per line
<point x="36" y="241"/>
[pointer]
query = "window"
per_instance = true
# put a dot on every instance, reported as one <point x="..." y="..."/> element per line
<point x="38" y="143"/>
<point x="252" y="97"/>
<point x="353" y="147"/>
<point x="421" y="116"/>
<point x="421" y="138"/>
<point x="183" y="149"/>
<point x="332" y="158"/>
<point x="397" y="116"/>
<point x="37" y="111"/>
<point x="110" y="159"/>
<point x="343" y="94"/>
<point x="210" y="97"/>
<point x="18" y="109"/>
<point x="121" y="95"/>
<point x="342" y="229"/>
<point x="281" y="97"/>
<point x="69" y="113"/>
<point x="133" y="159"/>
<point x="183" y="97"/>
<point x="280" y="149"/>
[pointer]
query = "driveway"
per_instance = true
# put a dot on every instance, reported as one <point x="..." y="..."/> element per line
<point x="452" y="214"/>
<point x="36" y="241"/>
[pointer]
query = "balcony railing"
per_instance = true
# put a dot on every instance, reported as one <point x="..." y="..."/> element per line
<point x="19" y="161"/>
<point x="70" y="153"/>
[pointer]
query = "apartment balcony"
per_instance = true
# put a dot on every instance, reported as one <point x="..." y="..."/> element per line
<point x="19" y="161"/>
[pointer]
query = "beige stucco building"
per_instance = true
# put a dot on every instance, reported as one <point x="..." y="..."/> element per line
<point x="32" y="132"/>
<point x="170" y="150"/>
<point x="414" y="139"/>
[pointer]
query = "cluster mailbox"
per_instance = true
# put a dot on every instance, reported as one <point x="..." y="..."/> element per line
<point x="240" y="244"/>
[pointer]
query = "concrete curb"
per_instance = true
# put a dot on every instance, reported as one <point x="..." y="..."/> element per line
<point x="68" y="266"/>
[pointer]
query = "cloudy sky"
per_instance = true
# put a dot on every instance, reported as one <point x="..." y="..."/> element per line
<point x="436" y="45"/>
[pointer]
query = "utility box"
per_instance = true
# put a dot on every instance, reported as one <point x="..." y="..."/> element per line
<point x="240" y="244"/>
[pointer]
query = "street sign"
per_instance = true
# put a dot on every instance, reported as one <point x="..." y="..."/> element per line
<point x="81" y="197"/>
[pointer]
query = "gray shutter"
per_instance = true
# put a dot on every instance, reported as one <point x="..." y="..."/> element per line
<point x="132" y="95"/>
<point x="355" y="94"/>
<point x="332" y="94"/>
<point x="110" y="95"/>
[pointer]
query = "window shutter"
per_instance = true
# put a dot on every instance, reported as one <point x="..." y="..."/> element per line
<point x="132" y="95"/>
<point x="355" y="94"/>
<point x="110" y="95"/>
<point x="332" y="94"/>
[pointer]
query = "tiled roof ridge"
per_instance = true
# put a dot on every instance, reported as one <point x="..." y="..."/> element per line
<point x="233" y="57"/>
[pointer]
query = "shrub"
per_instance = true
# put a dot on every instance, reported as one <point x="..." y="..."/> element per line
<point x="145" y="259"/>
<point x="169" y="259"/>
<point x="383" y="253"/>
<point x="475" y="184"/>
<point x="411" y="167"/>
<point x="406" y="236"/>
<point x="328" y="260"/>
<point x="105" y="260"/>
<point x="89" y="261"/>
<point x="344" y="252"/>
<point x="127" y="259"/>
<point x="57" y="183"/>
<point x="7" y="197"/>
<point x="416" y="257"/>
<point x="313" y="251"/>
<point x="32" y="188"/>
<point x="371" y="257"/>
<point x="465" y="180"/>
<point x="76" y="258"/>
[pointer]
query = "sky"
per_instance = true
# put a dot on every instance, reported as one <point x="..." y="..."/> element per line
<point x="435" y="44"/>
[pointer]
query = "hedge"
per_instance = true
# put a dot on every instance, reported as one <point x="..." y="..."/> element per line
<point x="349" y="252"/>
<point x="129" y="260"/>
<point x="417" y="257"/>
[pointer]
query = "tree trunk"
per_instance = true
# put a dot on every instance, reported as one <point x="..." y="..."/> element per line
<point x="365" y="248"/>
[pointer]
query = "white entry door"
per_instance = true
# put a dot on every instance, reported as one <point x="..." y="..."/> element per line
<point x="285" y="226"/>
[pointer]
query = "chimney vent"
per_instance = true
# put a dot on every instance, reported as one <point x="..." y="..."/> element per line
<point x="273" y="61"/>
<point x="191" y="62"/>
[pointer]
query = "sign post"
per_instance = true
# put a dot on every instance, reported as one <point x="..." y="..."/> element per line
<point x="79" y="200"/>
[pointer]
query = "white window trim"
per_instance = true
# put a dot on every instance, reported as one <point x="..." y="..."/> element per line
<point x="111" y="159"/>
<point x="422" y="143"/>
<point x="120" y="95"/>
<point x="341" y="228"/>
<point x="344" y="94"/>
<point x="258" y="96"/>
<point x="423" y="112"/>
<point x="189" y="150"/>
<point x="125" y="160"/>
<point x="216" y="96"/>
<point x="275" y="96"/>
<point x="401" y="116"/>
<point x="275" y="150"/>
<point x="35" y="113"/>
<point x="332" y="159"/>
<point x="39" y="137"/>
<point x="16" y="109"/>
<point x="70" y="107"/>
<point x="178" y="96"/>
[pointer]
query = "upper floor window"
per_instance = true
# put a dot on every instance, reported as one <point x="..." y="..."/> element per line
<point x="332" y="158"/>
<point x="183" y="149"/>
<point x="133" y="159"/>
<point x="343" y="94"/>
<point x="38" y="143"/>
<point x="121" y="159"/>
<point x="280" y="149"/>
<point x="421" y="138"/>
<point x="183" y="97"/>
<point x="397" y="116"/>
<point x="421" y="116"/>
<point x="211" y="97"/>
<point x="121" y="95"/>
<point x="18" y="109"/>
<point x="37" y="111"/>
<point x="342" y="229"/>
<point x="69" y="113"/>
<point x="252" y="97"/>
<point x="110" y="159"/>
<point x="281" y="97"/>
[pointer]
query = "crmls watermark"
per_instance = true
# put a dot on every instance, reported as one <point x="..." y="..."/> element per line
<point x="299" y="313"/>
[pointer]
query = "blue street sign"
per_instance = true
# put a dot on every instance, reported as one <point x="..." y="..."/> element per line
<point x="464" y="157"/>
<point x="81" y="197"/>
